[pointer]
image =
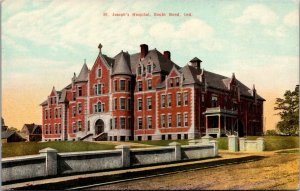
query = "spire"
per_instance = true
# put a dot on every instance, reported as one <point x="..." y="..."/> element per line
<point x="83" y="74"/>
<point x="100" y="47"/>
<point x="233" y="76"/>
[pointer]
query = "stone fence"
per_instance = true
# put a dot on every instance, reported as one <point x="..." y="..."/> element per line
<point x="49" y="163"/>
<point x="242" y="144"/>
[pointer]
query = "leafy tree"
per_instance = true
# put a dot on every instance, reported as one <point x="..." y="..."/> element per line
<point x="288" y="108"/>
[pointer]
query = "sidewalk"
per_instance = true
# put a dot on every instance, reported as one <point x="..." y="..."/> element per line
<point x="85" y="179"/>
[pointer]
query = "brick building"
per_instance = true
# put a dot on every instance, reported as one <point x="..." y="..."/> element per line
<point x="146" y="96"/>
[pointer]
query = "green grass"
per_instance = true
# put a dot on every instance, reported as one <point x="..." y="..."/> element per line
<point x="30" y="148"/>
<point x="272" y="143"/>
<point x="294" y="151"/>
<point x="162" y="142"/>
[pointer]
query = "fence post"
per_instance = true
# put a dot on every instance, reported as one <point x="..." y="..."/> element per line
<point x="260" y="144"/>
<point x="177" y="150"/>
<point x="125" y="149"/>
<point x="216" y="148"/>
<point x="51" y="160"/>
<point x="233" y="143"/>
<point x="242" y="142"/>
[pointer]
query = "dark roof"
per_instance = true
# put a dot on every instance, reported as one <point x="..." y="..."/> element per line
<point x="6" y="134"/>
<point x="190" y="75"/>
<point x="122" y="64"/>
<point x="83" y="75"/>
<point x="195" y="60"/>
<point x="31" y="127"/>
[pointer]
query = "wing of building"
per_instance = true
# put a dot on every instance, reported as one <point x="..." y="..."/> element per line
<point x="146" y="96"/>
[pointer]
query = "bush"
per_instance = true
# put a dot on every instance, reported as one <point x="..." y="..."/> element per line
<point x="271" y="133"/>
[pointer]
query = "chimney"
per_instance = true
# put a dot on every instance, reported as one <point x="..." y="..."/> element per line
<point x="196" y="63"/>
<point x="144" y="50"/>
<point x="167" y="55"/>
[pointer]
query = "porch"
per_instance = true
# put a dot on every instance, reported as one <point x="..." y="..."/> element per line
<point x="220" y="121"/>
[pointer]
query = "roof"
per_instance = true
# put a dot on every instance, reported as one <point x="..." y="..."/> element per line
<point x="83" y="75"/>
<point x="31" y="127"/>
<point x="190" y="74"/>
<point x="195" y="60"/>
<point x="6" y="134"/>
<point x="122" y="64"/>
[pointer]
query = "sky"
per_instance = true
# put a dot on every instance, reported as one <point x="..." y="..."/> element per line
<point x="45" y="42"/>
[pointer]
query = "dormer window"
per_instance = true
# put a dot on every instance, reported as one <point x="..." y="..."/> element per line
<point x="149" y="68"/>
<point x="149" y="84"/>
<point x="177" y="81"/>
<point x="139" y="70"/>
<point x="171" y="82"/>
<point x="122" y="85"/>
<point x="99" y="73"/>
<point x="79" y="90"/>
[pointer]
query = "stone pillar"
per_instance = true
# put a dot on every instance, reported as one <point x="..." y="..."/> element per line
<point x="242" y="143"/>
<point x="260" y="144"/>
<point x="206" y="139"/>
<point x="51" y="161"/>
<point x="177" y="147"/>
<point x="233" y="143"/>
<point x="216" y="148"/>
<point x="125" y="149"/>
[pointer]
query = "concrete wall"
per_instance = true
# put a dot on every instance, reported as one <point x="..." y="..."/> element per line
<point x="252" y="145"/>
<point x="69" y="163"/>
<point x="16" y="168"/>
<point x="51" y="163"/>
<point x="152" y="155"/>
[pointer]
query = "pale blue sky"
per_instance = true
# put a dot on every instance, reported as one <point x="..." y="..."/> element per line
<point x="44" y="42"/>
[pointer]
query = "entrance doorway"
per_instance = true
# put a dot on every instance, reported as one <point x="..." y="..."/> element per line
<point x="99" y="126"/>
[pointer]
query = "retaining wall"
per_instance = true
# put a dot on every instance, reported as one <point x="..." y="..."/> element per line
<point x="50" y="163"/>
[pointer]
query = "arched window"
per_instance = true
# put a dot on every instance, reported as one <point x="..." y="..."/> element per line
<point x="98" y="72"/>
<point x="98" y="107"/>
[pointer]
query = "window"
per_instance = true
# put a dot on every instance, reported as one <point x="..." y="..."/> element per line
<point x="116" y="85"/>
<point x="149" y="84"/>
<point x="178" y="120"/>
<point x="122" y="85"/>
<point x="99" y="72"/>
<point x="140" y="86"/>
<point x="203" y="99"/>
<point x="149" y="68"/>
<point x="214" y="101"/>
<point x="178" y="99"/>
<point x="169" y="120"/>
<point x="149" y="103"/>
<point x="162" y="101"/>
<point x="129" y="85"/>
<point x="74" y="127"/>
<point x="50" y="100"/>
<point x="79" y="90"/>
<point x="185" y="98"/>
<point x="79" y="125"/>
<point x="59" y="112"/>
<point x="55" y="113"/>
<point x="59" y="128"/>
<point x="149" y="122"/>
<point x="89" y="124"/>
<point x="73" y="111"/>
<point x="139" y="123"/>
<point x="54" y="100"/>
<point x="185" y="119"/>
<point x="114" y="122"/>
<point x="122" y="122"/>
<point x="115" y="104"/>
<point x="49" y="129"/>
<point x="162" y="121"/>
<point x="99" y="107"/>
<point x="129" y="104"/>
<point x="122" y="103"/>
<point x="74" y="96"/>
<point x="98" y="89"/>
<point x="177" y="81"/>
<point x="140" y="104"/>
<point x="49" y="113"/>
<point x="139" y="70"/>
<point x="169" y="100"/>
<point x="45" y="114"/>
<point x="171" y="82"/>
<point x="79" y="108"/>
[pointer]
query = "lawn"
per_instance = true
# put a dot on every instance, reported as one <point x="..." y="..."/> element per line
<point x="271" y="142"/>
<point x="30" y="148"/>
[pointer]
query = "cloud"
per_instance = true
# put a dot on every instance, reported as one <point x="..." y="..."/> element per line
<point x="136" y="31"/>
<point x="278" y="32"/>
<point x="292" y="19"/>
<point x="192" y="30"/>
<point x="257" y="13"/>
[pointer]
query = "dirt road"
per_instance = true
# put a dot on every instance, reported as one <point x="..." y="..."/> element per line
<point x="275" y="171"/>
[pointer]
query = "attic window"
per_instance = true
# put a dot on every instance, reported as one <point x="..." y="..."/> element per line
<point x="139" y="70"/>
<point x="177" y="81"/>
<point x="149" y="68"/>
<point x="99" y="72"/>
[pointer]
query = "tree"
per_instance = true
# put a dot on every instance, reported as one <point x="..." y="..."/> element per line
<point x="271" y="132"/>
<point x="288" y="108"/>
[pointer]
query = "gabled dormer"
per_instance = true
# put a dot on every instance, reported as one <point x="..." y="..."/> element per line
<point x="174" y="79"/>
